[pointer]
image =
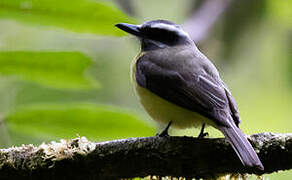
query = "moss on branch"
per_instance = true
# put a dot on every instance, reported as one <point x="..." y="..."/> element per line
<point x="139" y="157"/>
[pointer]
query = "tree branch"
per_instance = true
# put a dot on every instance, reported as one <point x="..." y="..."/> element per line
<point x="204" y="18"/>
<point x="139" y="157"/>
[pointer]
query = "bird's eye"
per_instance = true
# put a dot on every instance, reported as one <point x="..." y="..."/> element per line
<point x="162" y="35"/>
<point x="146" y="29"/>
<point x="165" y="36"/>
<point x="155" y="32"/>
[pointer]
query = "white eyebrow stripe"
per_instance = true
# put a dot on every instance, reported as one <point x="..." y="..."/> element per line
<point x="169" y="27"/>
<point x="164" y="26"/>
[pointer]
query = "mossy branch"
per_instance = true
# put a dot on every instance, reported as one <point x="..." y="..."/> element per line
<point x="139" y="157"/>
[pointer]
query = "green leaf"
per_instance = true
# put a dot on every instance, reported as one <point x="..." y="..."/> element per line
<point x="281" y="11"/>
<point x="86" y="16"/>
<point x="18" y="138"/>
<point x="51" y="69"/>
<point x="68" y="120"/>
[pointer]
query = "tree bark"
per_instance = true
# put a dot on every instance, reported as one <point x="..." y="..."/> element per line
<point x="139" y="157"/>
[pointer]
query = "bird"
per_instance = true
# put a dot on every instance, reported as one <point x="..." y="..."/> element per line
<point x="179" y="86"/>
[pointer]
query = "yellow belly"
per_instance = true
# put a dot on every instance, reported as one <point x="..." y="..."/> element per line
<point x="164" y="112"/>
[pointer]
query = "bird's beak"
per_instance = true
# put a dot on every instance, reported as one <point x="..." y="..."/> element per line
<point x="130" y="28"/>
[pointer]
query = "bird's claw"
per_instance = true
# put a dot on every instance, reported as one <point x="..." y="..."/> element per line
<point x="164" y="133"/>
<point x="202" y="133"/>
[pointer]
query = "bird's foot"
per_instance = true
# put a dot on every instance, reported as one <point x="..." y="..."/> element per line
<point x="164" y="133"/>
<point x="202" y="133"/>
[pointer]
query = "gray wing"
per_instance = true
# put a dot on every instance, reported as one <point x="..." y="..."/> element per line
<point x="233" y="106"/>
<point x="198" y="93"/>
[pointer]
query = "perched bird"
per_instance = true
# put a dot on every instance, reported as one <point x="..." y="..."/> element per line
<point x="178" y="84"/>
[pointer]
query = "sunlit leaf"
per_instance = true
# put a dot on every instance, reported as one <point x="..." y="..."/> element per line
<point x="68" y="120"/>
<point x="52" y="69"/>
<point x="86" y="16"/>
<point x="281" y="10"/>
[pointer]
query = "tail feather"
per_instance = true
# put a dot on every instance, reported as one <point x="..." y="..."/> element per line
<point x="242" y="147"/>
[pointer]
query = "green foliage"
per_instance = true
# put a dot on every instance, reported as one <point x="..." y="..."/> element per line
<point x="67" y="120"/>
<point x="52" y="69"/>
<point x="86" y="16"/>
<point x="19" y="138"/>
<point x="281" y="10"/>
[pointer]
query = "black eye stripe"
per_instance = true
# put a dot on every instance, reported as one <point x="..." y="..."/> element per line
<point x="158" y="33"/>
<point x="161" y="29"/>
<point x="153" y="32"/>
<point x="163" y="35"/>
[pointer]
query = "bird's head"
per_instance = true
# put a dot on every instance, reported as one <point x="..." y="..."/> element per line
<point x="157" y="34"/>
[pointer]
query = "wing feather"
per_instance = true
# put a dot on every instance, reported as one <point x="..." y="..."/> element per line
<point x="198" y="93"/>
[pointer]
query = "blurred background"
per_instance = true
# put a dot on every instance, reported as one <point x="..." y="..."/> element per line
<point x="64" y="67"/>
